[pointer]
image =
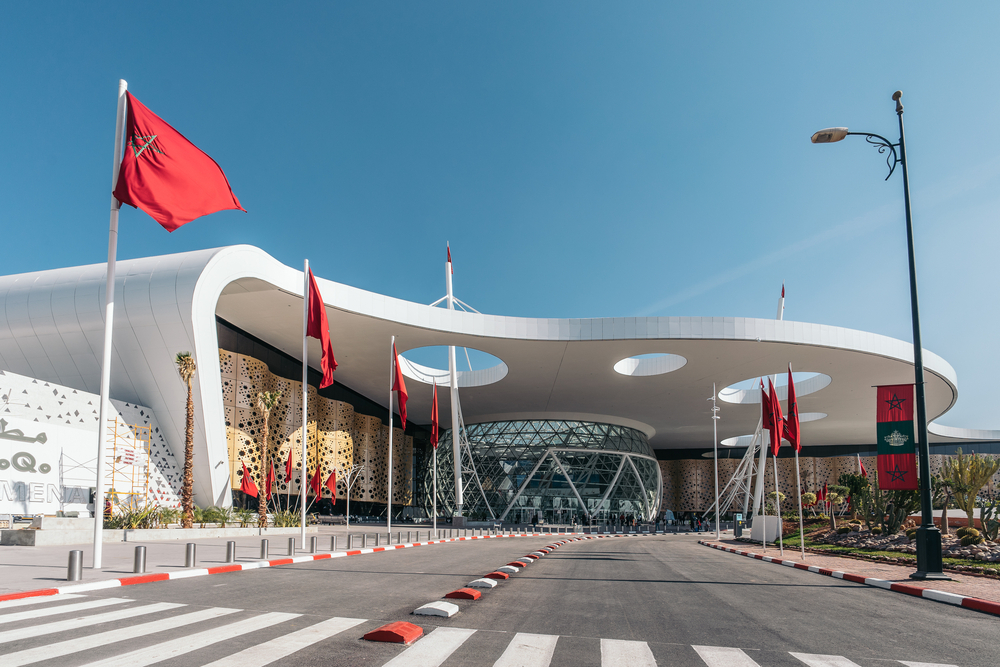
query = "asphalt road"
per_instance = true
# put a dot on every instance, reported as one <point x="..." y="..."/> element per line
<point x="665" y="593"/>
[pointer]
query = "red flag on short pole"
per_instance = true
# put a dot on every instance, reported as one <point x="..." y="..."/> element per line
<point x="776" y="419"/>
<point x="288" y="467"/>
<point x="435" y="426"/>
<point x="246" y="485"/>
<point x="319" y="327"/>
<point x="861" y="467"/>
<point x="315" y="481"/>
<point x="399" y="386"/>
<point x="269" y="482"/>
<point x="791" y="427"/>
<point x="166" y="175"/>
<point x="331" y="483"/>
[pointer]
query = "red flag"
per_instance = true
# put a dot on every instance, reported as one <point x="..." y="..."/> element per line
<point x="861" y="467"/>
<point x="776" y="419"/>
<point x="269" y="482"/>
<point x="399" y="386"/>
<point x="791" y="427"/>
<point x="319" y="327"/>
<point x="246" y="485"/>
<point x="314" y="483"/>
<point x="288" y="467"/>
<point x="331" y="483"/>
<point x="824" y="492"/>
<point x="895" y="437"/>
<point x="166" y="175"/>
<point x="435" y="426"/>
<point x="766" y="411"/>
<point x="449" y="259"/>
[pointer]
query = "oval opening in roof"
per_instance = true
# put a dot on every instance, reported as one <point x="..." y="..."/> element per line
<point x="656" y="363"/>
<point x="429" y="365"/>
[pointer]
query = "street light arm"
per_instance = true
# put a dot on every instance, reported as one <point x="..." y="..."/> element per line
<point x="884" y="146"/>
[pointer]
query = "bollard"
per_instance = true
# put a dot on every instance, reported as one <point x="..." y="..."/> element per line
<point x="230" y="552"/>
<point x="333" y="543"/>
<point x="350" y="542"/>
<point x="378" y="539"/>
<point x="364" y="537"/>
<point x="190" y="554"/>
<point x="75" y="570"/>
<point x="263" y="549"/>
<point x="291" y="546"/>
<point x="139" y="562"/>
<point x="399" y="537"/>
<point x="409" y="538"/>
<point x="312" y="544"/>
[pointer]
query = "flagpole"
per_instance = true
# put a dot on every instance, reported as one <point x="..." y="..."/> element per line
<point x="392" y="376"/>
<point x="434" y="451"/>
<point x="798" y="487"/>
<point x="109" y="320"/>
<point x="456" y="446"/>
<point x="303" y="487"/>
<point x="777" y="505"/>
<point x="715" y="450"/>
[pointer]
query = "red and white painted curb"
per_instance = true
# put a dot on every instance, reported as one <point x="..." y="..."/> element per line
<point x="237" y="567"/>
<point x="977" y="604"/>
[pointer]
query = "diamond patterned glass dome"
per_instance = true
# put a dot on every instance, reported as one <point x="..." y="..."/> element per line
<point x="554" y="470"/>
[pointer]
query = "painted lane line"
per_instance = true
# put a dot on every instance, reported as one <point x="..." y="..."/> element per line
<point x="721" y="656"/>
<point x="620" y="653"/>
<point x="433" y="649"/>
<point x="175" y="647"/>
<point x="824" y="660"/>
<point x="925" y="664"/>
<point x="84" y="621"/>
<point x="36" y="600"/>
<point x="89" y="642"/>
<point x="284" y="646"/>
<point x="528" y="650"/>
<point x="61" y="609"/>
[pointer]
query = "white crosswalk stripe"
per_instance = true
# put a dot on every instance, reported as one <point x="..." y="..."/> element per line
<point x="722" y="656"/>
<point x="620" y="653"/>
<point x="528" y="650"/>
<point x="61" y="609"/>
<point x="118" y="648"/>
<point x="84" y="621"/>
<point x="268" y="652"/>
<point x="433" y="649"/>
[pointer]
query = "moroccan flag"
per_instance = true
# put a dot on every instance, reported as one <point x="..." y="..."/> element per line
<point x="861" y="467"/>
<point x="791" y="426"/>
<point x="399" y="386"/>
<point x="435" y="426"/>
<point x="897" y="451"/>
<point x="269" y="482"/>
<point x="246" y="485"/>
<point x="319" y="327"/>
<point x="449" y="259"/>
<point x="288" y="467"/>
<point x="314" y="482"/>
<point x="166" y="175"/>
<point x="821" y="495"/>
<point x="776" y="419"/>
<point x="766" y="411"/>
<point x="331" y="483"/>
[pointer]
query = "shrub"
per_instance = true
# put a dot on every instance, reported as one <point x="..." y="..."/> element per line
<point x="966" y="530"/>
<point x="969" y="540"/>
<point x="876" y="530"/>
<point x="843" y="529"/>
<point x="911" y="534"/>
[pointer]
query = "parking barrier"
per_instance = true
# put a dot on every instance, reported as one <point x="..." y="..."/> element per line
<point x="139" y="561"/>
<point x="74" y="571"/>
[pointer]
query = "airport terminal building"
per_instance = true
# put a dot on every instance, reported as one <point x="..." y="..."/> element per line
<point x="580" y="418"/>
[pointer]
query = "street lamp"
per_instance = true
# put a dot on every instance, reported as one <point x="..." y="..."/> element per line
<point x="929" y="564"/>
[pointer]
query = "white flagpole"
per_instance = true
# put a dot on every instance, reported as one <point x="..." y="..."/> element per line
<point x="715" y="449"/>
<point x="453" y="379"/>
<point x="109" y="321"/>
<point x="303" y="484"/>
<point x="392" y="375"/>
<point x="798" y="486"/>
<point x="777" y="505"/>
<point x="434" y="458"/>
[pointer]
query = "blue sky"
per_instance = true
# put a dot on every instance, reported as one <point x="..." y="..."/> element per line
<point x="584" y="159"/>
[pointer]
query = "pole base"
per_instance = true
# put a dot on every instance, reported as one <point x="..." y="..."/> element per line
<point x="929" y="562"/>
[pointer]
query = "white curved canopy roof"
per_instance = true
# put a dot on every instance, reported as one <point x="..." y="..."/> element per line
<point x="555" y="368"/>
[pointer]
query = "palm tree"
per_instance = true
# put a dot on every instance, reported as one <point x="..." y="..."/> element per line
<point x="266" y="401"/>
<point x="186" y="367"/>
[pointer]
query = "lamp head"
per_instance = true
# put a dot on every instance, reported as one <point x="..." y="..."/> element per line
<point x="829" y="135"/>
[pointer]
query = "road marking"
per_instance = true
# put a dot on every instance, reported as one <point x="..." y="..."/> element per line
<point x="824" y="660"/>
<point x="62" y="609"/>
<point x="88" y="642"/>
<point x="925" y="664"/>
<point x="281" y="647"/>
<point x="175" y="647"/>
<point x="84" y="621"/>
<point x="528" y="650"/>
<point x="433" y="649"/>
<point x="7" y="604"/>
<point x="619" y="653"/>
<point x="721" y="656"/>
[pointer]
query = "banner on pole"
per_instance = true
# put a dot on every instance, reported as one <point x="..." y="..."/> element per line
<point x="897" y="451"/>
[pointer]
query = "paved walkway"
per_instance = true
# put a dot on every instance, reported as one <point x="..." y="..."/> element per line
<point x="30" y="568"/>
<point x="971" y="586"/>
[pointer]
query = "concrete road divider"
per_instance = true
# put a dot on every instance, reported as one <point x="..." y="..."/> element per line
<point x="482" y="583"/>
<point x="399" y="632"/>
<point x="465" y="594"/>
<point x="519" y="563"/>
<point x="508" y="569"/>
<point x="503" y="576"/>
<point x="439" y="608"/>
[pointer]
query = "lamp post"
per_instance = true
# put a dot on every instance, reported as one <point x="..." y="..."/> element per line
<point x="929" y="565"/>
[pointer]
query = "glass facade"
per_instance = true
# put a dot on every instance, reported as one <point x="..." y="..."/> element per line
<point x="556" y="471"/>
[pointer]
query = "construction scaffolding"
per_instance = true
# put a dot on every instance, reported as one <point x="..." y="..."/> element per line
<point x="129" y="464"/>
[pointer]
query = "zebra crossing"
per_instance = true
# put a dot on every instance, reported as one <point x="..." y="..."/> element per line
<point x="121" y="632"/>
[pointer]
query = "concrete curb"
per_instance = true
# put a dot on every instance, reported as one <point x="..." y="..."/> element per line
<point x="977" y="604"/>
<point x="238" y="567"/>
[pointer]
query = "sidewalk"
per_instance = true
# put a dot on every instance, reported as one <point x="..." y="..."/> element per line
<point x="969" y="586"/>
<point x="30" y="568"/>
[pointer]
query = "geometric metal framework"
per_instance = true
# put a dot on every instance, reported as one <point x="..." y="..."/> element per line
<point x="555" y="470"/>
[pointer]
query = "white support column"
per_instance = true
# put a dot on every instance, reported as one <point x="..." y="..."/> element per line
<point x="392" y="375"/>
